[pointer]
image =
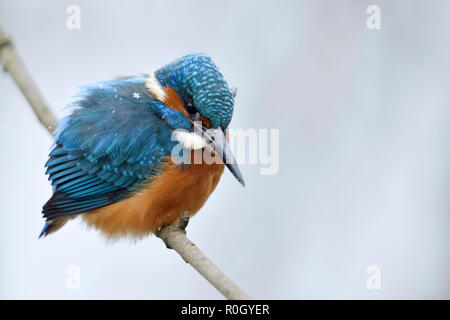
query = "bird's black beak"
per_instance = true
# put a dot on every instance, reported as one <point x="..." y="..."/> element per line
<point x="216" y="138"/>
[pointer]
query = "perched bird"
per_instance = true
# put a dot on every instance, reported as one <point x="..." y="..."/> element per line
<point x="112" y="158"/>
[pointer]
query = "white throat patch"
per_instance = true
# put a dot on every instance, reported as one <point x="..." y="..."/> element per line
<point x="191" y="140"/>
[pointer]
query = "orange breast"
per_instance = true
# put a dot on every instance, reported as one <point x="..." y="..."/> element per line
<point x="161" y="203"/>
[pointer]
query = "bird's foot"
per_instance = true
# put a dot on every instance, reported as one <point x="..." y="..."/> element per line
<point x="180" y="225"/>
<point x="184" y="220"/>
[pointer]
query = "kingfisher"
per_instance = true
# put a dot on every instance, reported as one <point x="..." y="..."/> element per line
<point x="112" y="159"/>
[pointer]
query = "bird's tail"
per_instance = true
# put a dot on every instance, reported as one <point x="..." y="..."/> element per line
<point x="53" y="225"/>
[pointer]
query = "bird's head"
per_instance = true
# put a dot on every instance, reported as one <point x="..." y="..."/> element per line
<point x="194" y="87"/>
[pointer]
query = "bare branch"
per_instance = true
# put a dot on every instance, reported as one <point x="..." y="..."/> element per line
<point x="13" y="64"/>
<point x="173" y="236"/>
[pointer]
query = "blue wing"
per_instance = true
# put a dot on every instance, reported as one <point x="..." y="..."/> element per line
<point x="113" y="142"/>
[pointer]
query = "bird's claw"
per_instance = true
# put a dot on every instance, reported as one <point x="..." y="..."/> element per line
<point x="184" y="220"/>
<point x="181" y="226"/>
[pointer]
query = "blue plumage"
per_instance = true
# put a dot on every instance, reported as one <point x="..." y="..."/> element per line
<point x="110" y="144"/>
<point x="119" y="134"/>
<point x="197" y="75"/>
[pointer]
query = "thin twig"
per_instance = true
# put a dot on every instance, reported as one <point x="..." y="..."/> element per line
<point x="173" y="236"/>
<point x="13" y="64"/>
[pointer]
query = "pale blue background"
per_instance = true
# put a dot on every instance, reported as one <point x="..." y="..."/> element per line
<point x="364" y="166"/>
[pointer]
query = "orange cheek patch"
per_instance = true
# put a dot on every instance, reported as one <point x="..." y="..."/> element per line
<point x="173" y="101"/>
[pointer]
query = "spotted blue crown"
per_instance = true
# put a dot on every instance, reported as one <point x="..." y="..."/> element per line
<point x="197" y="76"/>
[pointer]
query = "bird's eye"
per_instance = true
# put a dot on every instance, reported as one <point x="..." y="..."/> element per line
<point x="189" y="106"/>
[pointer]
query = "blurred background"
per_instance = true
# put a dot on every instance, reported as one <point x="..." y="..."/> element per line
<point x="364" y="149"/>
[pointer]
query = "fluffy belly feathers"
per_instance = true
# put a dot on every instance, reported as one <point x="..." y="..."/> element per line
<point x="167" y="196"/>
